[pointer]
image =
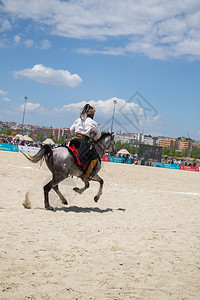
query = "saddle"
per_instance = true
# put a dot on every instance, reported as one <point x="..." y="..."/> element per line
<point x="82" y="152"/>
<point x="74" y="152"/>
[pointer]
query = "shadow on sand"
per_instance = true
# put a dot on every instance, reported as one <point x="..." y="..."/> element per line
<point x="78" y="209"/>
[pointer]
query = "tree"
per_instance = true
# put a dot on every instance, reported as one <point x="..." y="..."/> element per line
<point x="129" y="147"/>
<point x="3" y="131"/>
<point x="172" y="152"/>
<point x="195" y="153"/>
<point x="8" y="131"/>
<point x="31" y="134"/>
<point x="165" y="151"/>
<point x="41" y="137"/>
<point x="61" y="140"/>
<point x="185" y="152"/>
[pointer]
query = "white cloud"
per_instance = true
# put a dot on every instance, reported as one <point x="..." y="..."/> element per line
<point x="17" y="39"/>
<point x="31" y="106"/>
<point x="129" y="115"/>
<point x="103" y="107"/>
<point x="29" y="43"/>
<point x="47" y="75"/>
<point x="158" y="29"/>
<point x="6" y="99"/>
<point x="3" y="96"/>
<point x="2" y="93"/>
<point x="5" y="25"/>
<point x="45" y="44"/>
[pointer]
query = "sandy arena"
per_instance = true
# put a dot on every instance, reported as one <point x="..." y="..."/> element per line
<point x="140" y="241"/>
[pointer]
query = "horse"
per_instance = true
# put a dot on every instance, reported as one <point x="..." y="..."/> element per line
<point x="61" y="163"/>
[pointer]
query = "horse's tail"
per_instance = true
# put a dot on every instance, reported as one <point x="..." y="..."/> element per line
<point x="45" y="150"/>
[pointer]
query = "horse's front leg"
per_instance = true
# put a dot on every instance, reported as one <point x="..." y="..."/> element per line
<point x="80" y="191"/>
<point x="62" y="198"/>
<point x="100" y="180"/>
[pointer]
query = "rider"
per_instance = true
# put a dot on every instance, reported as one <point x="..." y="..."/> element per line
<point x="85" y="129"/>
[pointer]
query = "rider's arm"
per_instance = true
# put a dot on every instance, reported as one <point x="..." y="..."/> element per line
<point x="72" y="129"/>
<point x="98" y="132"/>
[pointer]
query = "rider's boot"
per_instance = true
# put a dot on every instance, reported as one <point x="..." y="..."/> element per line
<point x="90" y="168"/>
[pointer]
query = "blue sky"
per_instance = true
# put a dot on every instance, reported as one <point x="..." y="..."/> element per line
<point x="63" y="54"/>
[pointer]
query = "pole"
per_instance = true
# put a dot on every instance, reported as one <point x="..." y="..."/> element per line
<point x="115" y="102"/>
<point x="25" y="99"/>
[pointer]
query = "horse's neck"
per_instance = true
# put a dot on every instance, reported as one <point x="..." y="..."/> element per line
<point x="100" y="148"/>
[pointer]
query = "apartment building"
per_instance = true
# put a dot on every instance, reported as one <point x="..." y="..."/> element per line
<point x="166" y="142"/>
<point x="184" y="145"/>
<point x="134" y="138"/>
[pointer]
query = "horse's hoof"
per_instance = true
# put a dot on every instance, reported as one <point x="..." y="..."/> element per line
<point x="49" y="207"/>
<point x="65" y="202"/>
<point x="96" y="198"/>
<point x="76" y="189"/>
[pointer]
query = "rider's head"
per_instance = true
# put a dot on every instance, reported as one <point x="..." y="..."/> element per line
<point x="88" y="110"/>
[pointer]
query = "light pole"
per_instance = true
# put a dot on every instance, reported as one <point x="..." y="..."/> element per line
<point x="25" y="99"/>
<point x="115" y="102"/>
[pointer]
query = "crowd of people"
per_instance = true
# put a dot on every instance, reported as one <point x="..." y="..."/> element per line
<point x="16" y="141"/>
<point x="183" y="162"/>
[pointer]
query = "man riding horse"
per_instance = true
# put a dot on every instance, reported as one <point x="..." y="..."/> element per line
<point x="85" y="130"/>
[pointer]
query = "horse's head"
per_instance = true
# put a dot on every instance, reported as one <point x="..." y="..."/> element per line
<point x="111" y="147"/>
<point x="107" y="143"/>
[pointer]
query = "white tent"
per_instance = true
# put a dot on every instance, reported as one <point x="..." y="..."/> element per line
<point x="18" y="136"/>
<point x="49" y="142"/>
<point x="123" y="151"/>
<point x="26" y="138"/>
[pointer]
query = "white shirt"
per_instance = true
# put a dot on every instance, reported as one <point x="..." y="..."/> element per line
<point x="87" y="127"/>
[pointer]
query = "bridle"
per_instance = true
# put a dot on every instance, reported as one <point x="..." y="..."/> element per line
<point x="111" y="143"/>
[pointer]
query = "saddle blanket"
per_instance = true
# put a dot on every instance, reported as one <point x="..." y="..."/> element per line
<point x="74" y="152"/>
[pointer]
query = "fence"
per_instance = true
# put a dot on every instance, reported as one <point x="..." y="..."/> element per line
<point x="34" y="150"/>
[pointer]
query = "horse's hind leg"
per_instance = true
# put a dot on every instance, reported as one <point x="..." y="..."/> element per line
<point x="47" y="189"/>
<point x="62" y="198"/>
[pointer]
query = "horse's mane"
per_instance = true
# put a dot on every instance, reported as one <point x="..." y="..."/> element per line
<point x="104" y="134"/>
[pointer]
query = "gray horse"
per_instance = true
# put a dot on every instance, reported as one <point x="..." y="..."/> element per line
<point x="61" y="163"/>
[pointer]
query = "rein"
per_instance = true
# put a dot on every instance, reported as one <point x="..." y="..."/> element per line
<point x="97" y="144"/>
<point x="102" y="148"/>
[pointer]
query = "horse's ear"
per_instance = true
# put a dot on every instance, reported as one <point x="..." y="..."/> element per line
<point x="113" y="135"/>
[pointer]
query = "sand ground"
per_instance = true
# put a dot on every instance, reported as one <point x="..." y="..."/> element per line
<point x="140" y="241"/>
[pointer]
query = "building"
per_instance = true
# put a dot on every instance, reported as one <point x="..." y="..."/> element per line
<point x="37" y="130"/>
<point x="135" y="138"/>
<point x="184" y="145"/>
<point x="131" y="138"/>
<point x="196" y="145"/>
<point x="148" y="140"/>
<point x="166" y="142"/>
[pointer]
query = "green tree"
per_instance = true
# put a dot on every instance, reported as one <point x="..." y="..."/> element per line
<point x="118" y="145"/>
<point x="31" y="134"/>
<point x="8" y="131"/>
<point x="172" y="152"/>
<point x="50" y="136"/>
<point x="178" y="154"/>
<point x="130" y="147"/>
<point x="166" y="151"/>
<point x="185" y="152"/>
<point x="41" y="137"/>
<point x="195" y="153"/>
<point x="61" y="140"/>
